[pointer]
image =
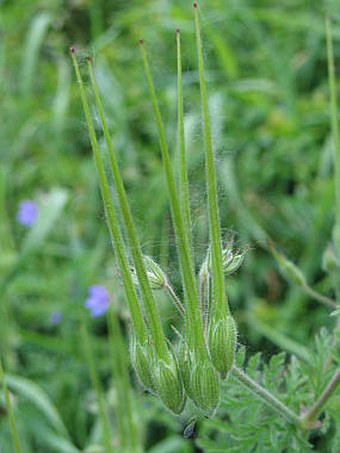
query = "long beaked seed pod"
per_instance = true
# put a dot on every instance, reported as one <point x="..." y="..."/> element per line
<point x="222" y="344"/>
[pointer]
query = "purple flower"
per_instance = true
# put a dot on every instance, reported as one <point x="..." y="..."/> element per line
<point x="27" y="213"/>
<point x="56" y="318"/>
<point x="98" y="300"/>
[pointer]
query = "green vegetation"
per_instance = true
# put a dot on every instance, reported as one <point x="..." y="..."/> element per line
<point x="228" y="229"/>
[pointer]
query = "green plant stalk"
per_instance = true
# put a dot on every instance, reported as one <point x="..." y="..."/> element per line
<point x="139" y="327"/>
<point x="194" y="325"/>
<point x="266" y="397"/>
<point x="311" y="416"/>
<point x="324" y="300"/>
<point x="220" y="298"/>
<point x="97" y="388"/>
<point x="183" y="167"/>
<point x="145" y="289"/>
<point x="335" y="131"/>
<point x="169" y="289"/>
<point x="12" y="423"/>
<point x="128" y="429"/>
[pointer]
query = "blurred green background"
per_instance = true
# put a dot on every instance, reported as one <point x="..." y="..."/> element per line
<point x="269" y="103"/>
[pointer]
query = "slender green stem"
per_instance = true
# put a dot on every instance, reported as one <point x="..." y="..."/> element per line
<point x="125" y="412"/>
<point x="335" y="130"/>
<point x="183" y="167"/>
<point x="175" y="298"/>
<point x="220" y="298"/>
<point x="117" y="241"/>
<point x="147" y="296"/>
<point x="97" y="388"/>
<point x="327" y="301"/>
<point x="266" y="396"/>
<point x="11" y="417"/>
<point x="194" y="326"/>
<point x="311" y="416"/>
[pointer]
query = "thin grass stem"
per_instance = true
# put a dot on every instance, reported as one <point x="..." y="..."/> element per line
<point x="335" y="129"/>
<point x="12" y="423"/>
<point x="97" y="388"/>
<point x="125" y="410"/>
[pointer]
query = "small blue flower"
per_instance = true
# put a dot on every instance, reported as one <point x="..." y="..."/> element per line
<point x="56" y="318"/>
<point x="98" y="300"/>
<point x="27" y="213"/>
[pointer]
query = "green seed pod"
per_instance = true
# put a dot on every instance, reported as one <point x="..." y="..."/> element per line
<point x="222" y="344"/>
<point x="169" y="385"/>
<point x="205" y="384"/>
<point x="288" y="269"/>
<point x="142" y="360"/>
<point x="329" y="260"/>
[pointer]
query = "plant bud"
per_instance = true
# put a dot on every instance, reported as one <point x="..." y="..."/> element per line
<point x="222" y="344"/>
<point x="205" y="386"/>
<point x="289" y="270"/>
<point x="169" y="385"/>
<point x="232" y="260"/>
<point x="142" y="361"/>
<point x="329" y="260"/>
<point x="157" y="278"/>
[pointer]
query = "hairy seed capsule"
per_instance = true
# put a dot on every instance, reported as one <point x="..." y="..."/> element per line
<point x="329" y="261"/>
<point x="222" y="344"/>
<point x="169" y="386"/>
<point x="205" y="386"/>
<point x="142" y="361"/>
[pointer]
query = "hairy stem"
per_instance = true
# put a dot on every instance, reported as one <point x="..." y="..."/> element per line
<point x="9" y="409"/>
<point x="169" y="289"/>
<point x="327" y="301"/>
<point x="98" y="389"/>
<point x="311" y="416"/>
<point x="266" y="396"/>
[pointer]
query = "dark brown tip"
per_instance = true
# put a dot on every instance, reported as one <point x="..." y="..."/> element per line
<point x="178" y="31"/>
<point x="88" y="58"/>
<point x="141" y="41"/>
<point x="195" y="5"/>
<point x="72" y="49"/>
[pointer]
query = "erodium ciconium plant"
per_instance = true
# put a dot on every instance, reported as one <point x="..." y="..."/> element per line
<point x="205" y="353"/>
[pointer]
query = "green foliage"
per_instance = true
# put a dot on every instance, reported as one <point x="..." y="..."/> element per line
<point x="269" y="101"/>
<point x="247" y="424"/>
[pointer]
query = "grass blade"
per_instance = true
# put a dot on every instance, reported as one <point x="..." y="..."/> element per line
<point x="12" y="423"/>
